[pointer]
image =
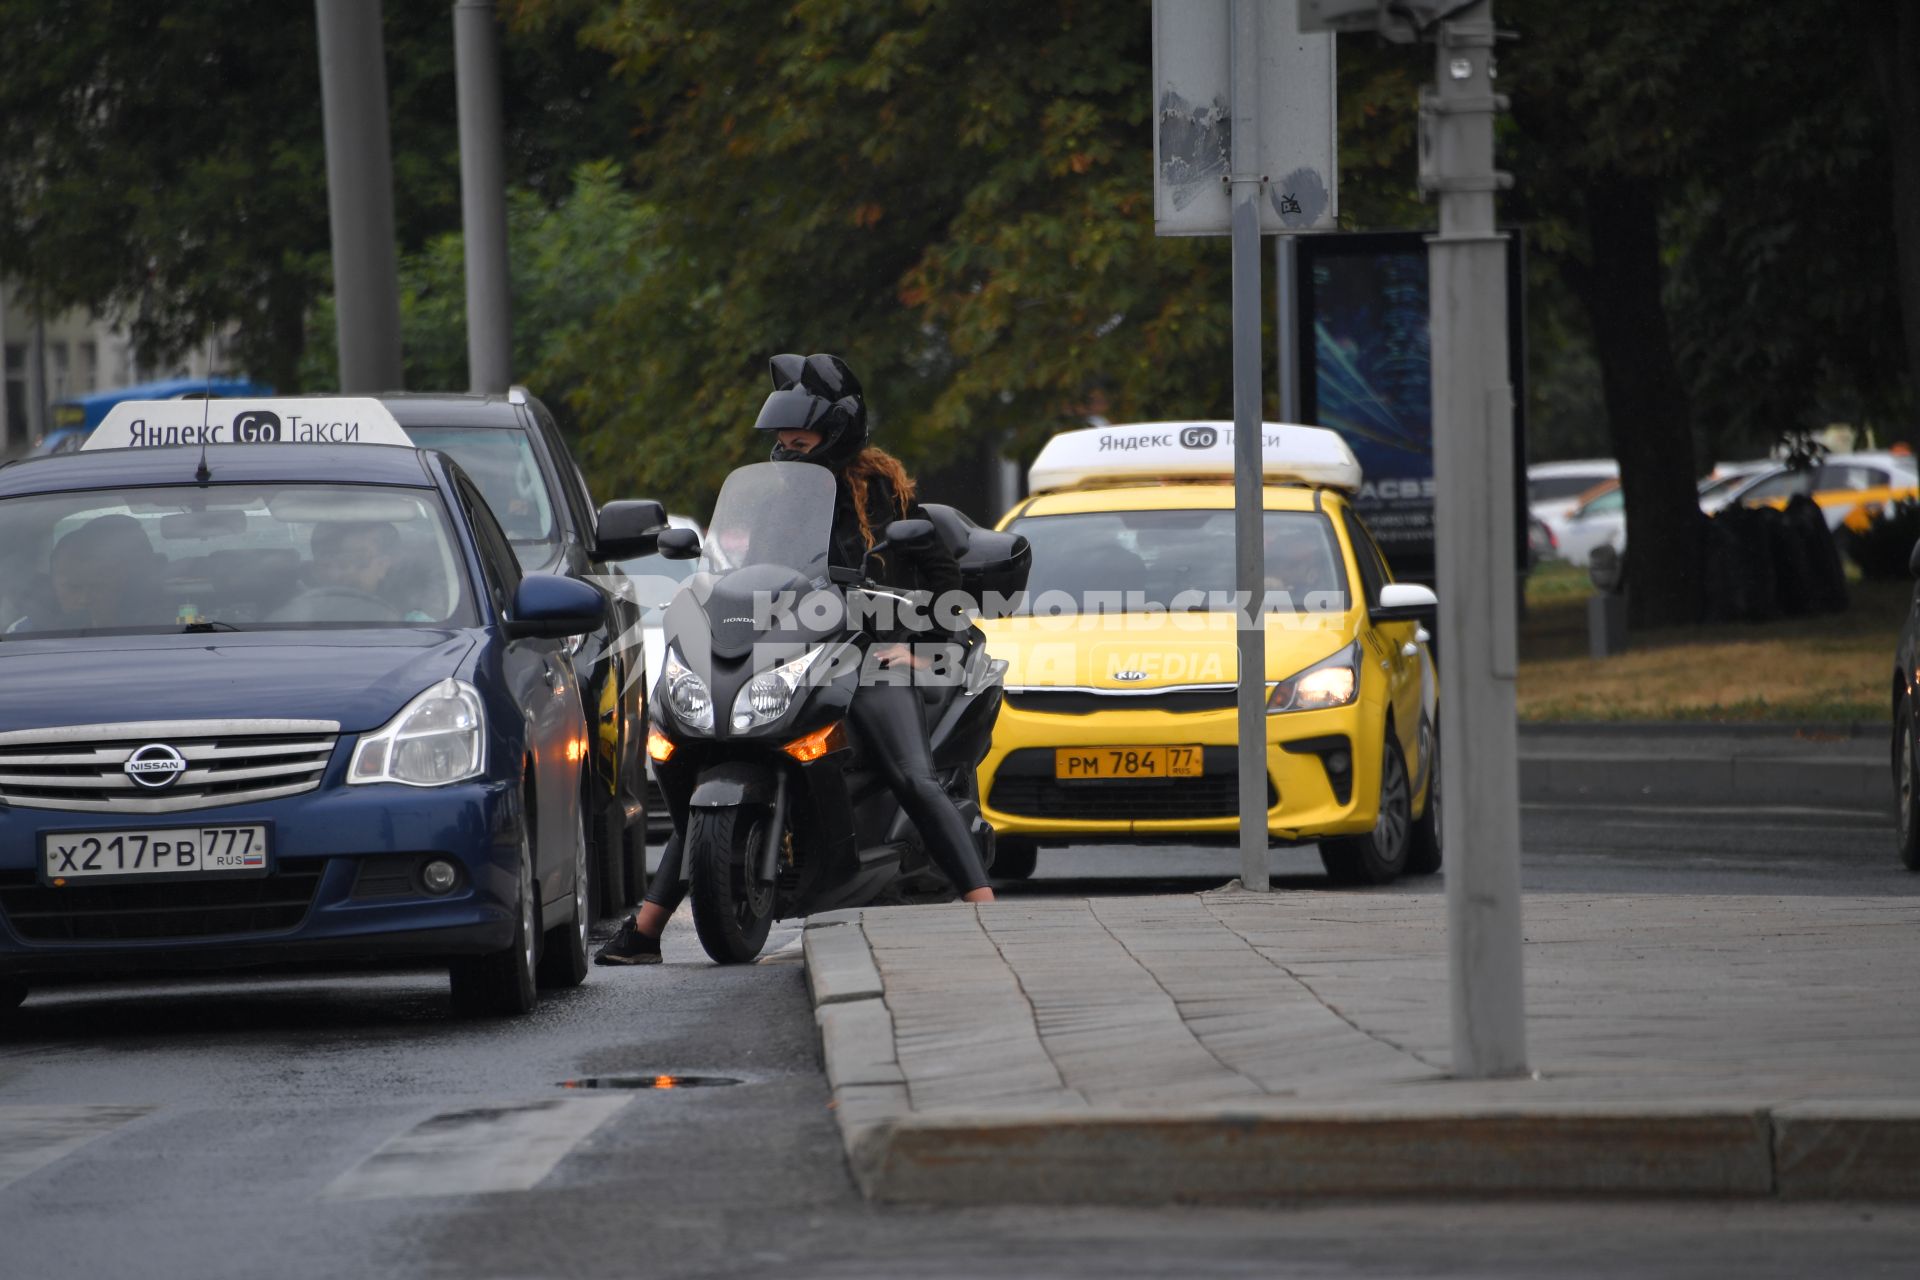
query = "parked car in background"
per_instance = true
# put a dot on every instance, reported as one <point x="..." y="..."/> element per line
<point x="1718" y="486"/>
<point x="1600" y="520"/>
<point x="1541" y="544"/>
<point x="1556" y="489"/>
<point x="1849" y="488"/>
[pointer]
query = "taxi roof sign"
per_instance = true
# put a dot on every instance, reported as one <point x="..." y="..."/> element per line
<point x="1144" y="452"/>
<point x="140" y="424"/>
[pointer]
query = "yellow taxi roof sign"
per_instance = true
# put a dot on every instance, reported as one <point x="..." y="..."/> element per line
<point x="139" y="424"/>
<point x="1144" y="452"/>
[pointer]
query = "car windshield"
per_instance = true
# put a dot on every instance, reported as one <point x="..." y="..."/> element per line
<point x="772" y="513"/>
<point x="229" y="557"/>
<point x="502" y="462"/>
<point x="1134" y="561"/>
<point x="1608" y="503"/>
<point x="655" y="580"/>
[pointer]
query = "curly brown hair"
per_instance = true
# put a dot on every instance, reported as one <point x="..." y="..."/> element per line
<point x="870" y="462"/>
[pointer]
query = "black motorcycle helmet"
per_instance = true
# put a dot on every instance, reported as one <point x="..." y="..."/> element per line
<point x="816" y="393"/>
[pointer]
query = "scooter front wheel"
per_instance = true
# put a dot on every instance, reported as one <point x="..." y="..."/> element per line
<point x="730" y="912"/>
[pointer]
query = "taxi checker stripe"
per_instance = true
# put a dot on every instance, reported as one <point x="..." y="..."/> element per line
<point x="472" y="1150"/>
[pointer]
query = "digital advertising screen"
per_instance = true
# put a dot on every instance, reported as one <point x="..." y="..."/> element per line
<point x="1366" y="371"/>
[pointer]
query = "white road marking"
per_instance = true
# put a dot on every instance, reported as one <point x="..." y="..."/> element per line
<point x="32" y="1138"/>
<point x="506" y="1146"/>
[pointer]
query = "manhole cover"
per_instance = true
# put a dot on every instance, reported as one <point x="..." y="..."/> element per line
<point x="649" y="1082"/>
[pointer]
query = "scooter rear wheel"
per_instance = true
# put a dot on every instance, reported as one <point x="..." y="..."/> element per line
<point x="730" y="912"/>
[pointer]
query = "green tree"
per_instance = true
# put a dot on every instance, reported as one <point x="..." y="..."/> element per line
<point x="568" y="261"/>
<point x="164" y="163"/>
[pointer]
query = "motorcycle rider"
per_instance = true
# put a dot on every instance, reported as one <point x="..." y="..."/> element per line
<point x="817" y="413"/>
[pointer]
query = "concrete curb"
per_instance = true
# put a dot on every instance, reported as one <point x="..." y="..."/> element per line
<point x="1281" y="1150"/>
<point x="1800" y="781"/>
<point x="1696" y="730"/>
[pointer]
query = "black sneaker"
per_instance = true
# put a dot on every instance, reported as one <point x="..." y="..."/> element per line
<point x="629" y="946"/>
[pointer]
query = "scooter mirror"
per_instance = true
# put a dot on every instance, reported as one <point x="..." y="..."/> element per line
<point x="911" y="534"/>
<point x="679" y="544"/>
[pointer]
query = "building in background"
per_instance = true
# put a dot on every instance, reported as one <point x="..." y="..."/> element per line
<point x="47" y="358"/>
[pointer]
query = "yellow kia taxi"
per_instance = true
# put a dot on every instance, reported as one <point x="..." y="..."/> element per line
<point x="1119" y="723"/>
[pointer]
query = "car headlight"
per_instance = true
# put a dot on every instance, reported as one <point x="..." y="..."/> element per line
<point x="438" y="738"/>
<point x="687" y="694"/>
<point x="1330" y="682"/>
<point x="769" y="695"/>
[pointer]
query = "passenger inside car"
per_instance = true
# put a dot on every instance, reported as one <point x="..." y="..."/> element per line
<point x="98" y="577"/>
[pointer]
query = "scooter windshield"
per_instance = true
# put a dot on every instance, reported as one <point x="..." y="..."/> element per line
<point x="778" y="513"/>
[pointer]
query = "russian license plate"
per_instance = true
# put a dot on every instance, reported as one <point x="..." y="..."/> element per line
<point x="159" y="853"/>
<point x="1078" y="763"/>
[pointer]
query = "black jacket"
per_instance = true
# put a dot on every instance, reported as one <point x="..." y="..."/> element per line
<point x="931" y="569"/>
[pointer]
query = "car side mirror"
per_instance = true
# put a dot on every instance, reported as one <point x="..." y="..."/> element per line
<point x="678" y="544"/>
<point x="548" y="606"/>
<point x="1405" y="602"/>
<point x="628" y="529"/>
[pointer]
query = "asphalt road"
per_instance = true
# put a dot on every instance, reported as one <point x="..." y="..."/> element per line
<point x="292" y="1126"/>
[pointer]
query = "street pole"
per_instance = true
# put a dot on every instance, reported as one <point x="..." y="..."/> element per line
<point x="1286" y="294"/>
<point x="1474" y="534"/>
<point x="1250" y="568"/>
<point x="483" y="196"/>
<point x="353" y="102"/>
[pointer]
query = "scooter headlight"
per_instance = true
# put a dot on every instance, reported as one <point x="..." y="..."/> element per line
<point x="769" y="695"/>
<point x="687" y="695"/>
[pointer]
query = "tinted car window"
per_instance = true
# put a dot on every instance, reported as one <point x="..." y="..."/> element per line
<point x="497" y="560"/>
<point x="1373" y="570"/>
<point x="245" y="556"/>
<point x="1782" y="484"/>
<point x="503" y="464"/>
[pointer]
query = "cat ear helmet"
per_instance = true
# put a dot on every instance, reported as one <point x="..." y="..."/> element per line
<point x="816" y="393"/>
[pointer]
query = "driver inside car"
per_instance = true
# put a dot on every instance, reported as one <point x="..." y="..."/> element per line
<point x="354" y="556"/>
<point x="357" y="558"/>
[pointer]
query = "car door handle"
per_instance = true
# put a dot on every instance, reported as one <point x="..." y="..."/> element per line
<point x="1421" y="635"/>
<point x="1409" y="649"/>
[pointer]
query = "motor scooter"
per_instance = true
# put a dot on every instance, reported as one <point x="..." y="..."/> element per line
<point x="767" y="645"/>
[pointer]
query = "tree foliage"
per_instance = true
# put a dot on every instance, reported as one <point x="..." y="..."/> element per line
<point x="958" y="198"/>
<point x="164" y="163"/>
<point x="568" y="263"/>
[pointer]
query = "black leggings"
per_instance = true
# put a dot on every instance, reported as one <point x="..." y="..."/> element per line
<point x="892" y="728"/>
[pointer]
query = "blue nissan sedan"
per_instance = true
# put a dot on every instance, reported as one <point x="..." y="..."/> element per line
<point x="266" y="702"/>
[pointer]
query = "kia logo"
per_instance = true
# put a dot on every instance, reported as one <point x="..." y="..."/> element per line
<point x="156" y="765"/>
<point x="1130" y="676"/>
<point x="256" y="426"/>
<point x="1199" y="437"/>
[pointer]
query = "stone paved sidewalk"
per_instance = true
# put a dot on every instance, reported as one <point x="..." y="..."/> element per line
<point x="1233" y="1045"/>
